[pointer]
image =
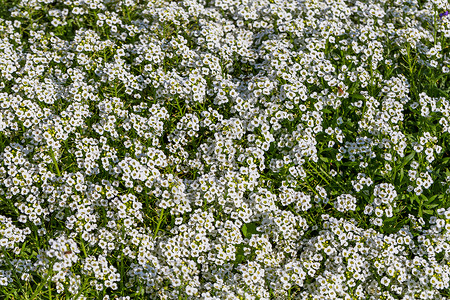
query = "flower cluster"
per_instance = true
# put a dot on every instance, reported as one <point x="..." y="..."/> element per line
<point x="383" y="203"/>
<point x="225" y="149"/>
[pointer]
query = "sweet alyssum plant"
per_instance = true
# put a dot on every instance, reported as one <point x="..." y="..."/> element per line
<point x="269" y="149"/>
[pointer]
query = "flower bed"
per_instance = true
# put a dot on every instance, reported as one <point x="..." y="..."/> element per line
<point x="268" y="149"/>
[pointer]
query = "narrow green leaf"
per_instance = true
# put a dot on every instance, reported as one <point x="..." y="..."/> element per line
<point x="324" y="159"/>
<point x="409" y="158"/>
<point x="358" y="96"/>
<point x="432" y="205"/>
<point x="431" y="199"/>
<point x="244" y="230"/>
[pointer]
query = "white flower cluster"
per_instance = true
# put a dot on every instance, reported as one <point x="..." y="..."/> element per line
<point x="225" y="149"/>
<point x="58" y="261"/>
<point x="383" y="203"/>
<point x="104" y="274"/>
<point x="345" y="203"/>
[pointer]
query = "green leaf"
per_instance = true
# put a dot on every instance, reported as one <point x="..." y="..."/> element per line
<point x="431" y="199"/>
<point x="244" y="230"/>
<point x="432" y="205"/>
<point x="358" y="96"/>
<point x="324" y="159"/>
<point x="401" y="175"/>
<point x="443" y="92"/>
<point x="248" y="229"/>
<point x="409" y="158"/>
<point x="239" y="254"/>
<point x="389" y="225"/>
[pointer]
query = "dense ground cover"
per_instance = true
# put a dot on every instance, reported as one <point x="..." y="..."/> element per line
<point x="213" y="149"/>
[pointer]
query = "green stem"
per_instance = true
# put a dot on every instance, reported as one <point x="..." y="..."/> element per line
<point x="313" y="190"/>
<point x="435" y="29"/>
<point x="159" y="222"/>
<point x="55" y="163"/>
<point x="321" y="176"/>
<point x="82" y="247"/>
<point x="319" y="173"/>
<point x="122" y="275"/>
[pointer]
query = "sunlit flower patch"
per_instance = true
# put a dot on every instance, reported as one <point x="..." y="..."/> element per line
<point x="269" y="149"/>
